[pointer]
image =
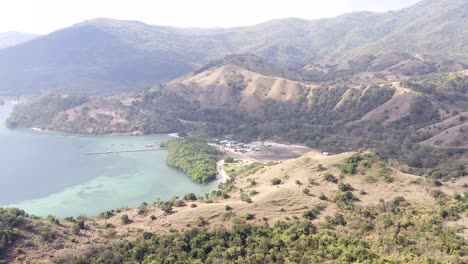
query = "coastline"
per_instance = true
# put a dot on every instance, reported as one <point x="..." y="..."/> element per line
<point x="222" y="175"/>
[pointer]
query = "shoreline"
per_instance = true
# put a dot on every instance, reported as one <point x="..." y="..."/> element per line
<point x="222" y="175"/>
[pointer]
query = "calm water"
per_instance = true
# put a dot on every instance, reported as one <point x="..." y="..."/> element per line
<point x="47" y="173"/>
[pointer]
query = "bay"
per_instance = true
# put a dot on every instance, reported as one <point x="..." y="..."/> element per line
<point x="48" y="172"/>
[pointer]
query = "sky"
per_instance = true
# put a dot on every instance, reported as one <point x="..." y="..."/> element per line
<point x="45" y="16"/>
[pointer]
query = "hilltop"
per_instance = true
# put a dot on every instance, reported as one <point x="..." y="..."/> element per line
<point x="105" y="56"/>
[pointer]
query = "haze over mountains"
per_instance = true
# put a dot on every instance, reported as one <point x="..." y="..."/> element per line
<point x="13" y="38"/>
<point x="105" y="56"/>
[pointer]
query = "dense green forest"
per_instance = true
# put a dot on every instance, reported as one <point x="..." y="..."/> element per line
<point x="194" y="157"/>
<point x="389" y="232"/>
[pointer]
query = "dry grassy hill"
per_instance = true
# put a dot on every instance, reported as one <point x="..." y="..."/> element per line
<point x="305" y="185"/>
<point x="232" y="85"/>
<point x="275" y="202"/>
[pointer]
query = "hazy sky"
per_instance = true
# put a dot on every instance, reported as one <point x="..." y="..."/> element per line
<point x="43" y="16"/>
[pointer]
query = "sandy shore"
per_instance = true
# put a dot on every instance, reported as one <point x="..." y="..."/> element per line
<point x="222" y="175"/>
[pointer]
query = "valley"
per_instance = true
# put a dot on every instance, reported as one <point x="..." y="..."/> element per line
<point x="333" y="140"/>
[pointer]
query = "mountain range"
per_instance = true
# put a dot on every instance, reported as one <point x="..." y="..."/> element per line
<point x="105" y="56"/>
<point x="418" y="120"/>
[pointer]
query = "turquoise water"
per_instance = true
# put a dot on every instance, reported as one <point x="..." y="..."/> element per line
<point x="47" y="172"/>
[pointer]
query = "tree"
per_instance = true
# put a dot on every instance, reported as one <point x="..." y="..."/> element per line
<point x="229" y="159"/>
<point x="190" y="197"/>
<point x="125" y="219"/>
<point x="81" y="223"/>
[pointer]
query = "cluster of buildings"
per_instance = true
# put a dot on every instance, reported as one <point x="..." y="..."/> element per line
<point x="238" y="146"/>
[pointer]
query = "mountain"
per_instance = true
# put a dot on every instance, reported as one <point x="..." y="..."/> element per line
<point x="105" y="56"/>
<point x="13" y="38"/>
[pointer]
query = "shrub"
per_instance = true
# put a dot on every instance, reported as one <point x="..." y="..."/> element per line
<point x="312" y="213"/>
<point x="228" y="215"/>
<point x="48" y="235"/>
<point x="190" y="197"/>
<point x="388" y="179"/>
<point x="252" y="182"/>
<point x="337" y="219"/>
<point x="351" y="164"/>
<point x="253" y="192"/>
<point x="306" y="191"/>
<point x="245" y="198"/>
<point x="298" y="182"/>
<point x="106" y="214"/>
<point x="143" y="208"/>
<point x="166" y="207"/>
<point x="330" y="178"/>
<point x="81" y="223"/>
<point x="249" y="216"/>
<point x="345" y="200"/>
<point x="437" y="193"/>
<point x="320" y="167"/>
<point x="179" y="203"/>
<point x="275" y="181"/>
<point x="229" y="159"/>
<point x="398" y="200"/>
<point x="323" y="197"/>
<point x="125" y="219"/>
<point x="344" y="187"/>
